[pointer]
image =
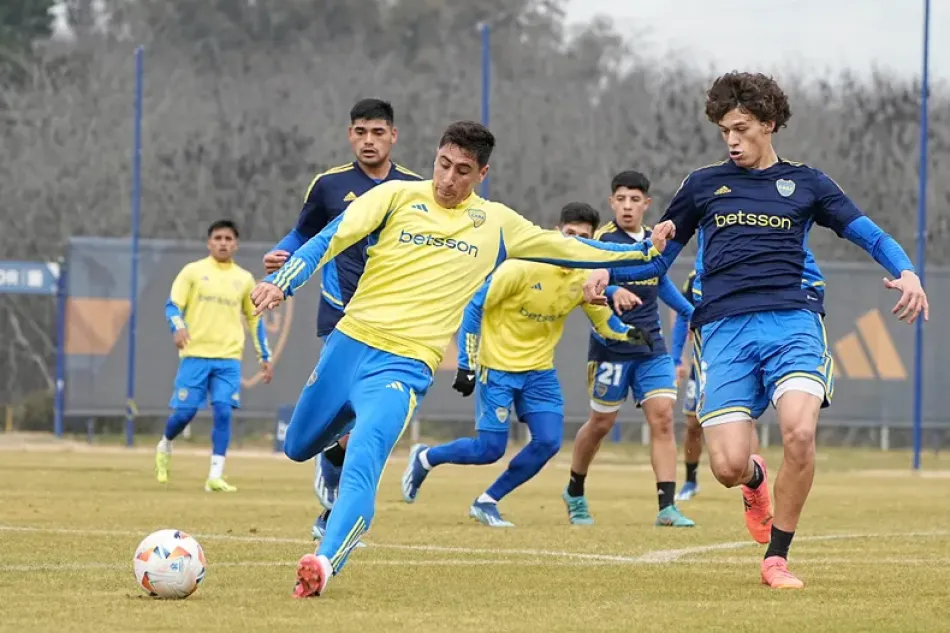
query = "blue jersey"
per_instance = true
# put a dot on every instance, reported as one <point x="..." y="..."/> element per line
<point x="752" y="228"/>
<point x="329" y="194"/>
<point x="645" y="316"/>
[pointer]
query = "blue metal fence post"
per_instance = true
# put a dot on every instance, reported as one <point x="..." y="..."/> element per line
<point x="130" y="408"/>
<point x="485" y="29"/>
<point x="921" y="239"/>
<point x="59" y="398"/>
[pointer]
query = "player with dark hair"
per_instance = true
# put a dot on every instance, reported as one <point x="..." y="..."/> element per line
<point x="757" y="328"/>
<point x="372" y="134"/>
<point x="508" y="336"/>
<point x="204" y="310"/>
<point x="432" y="245"/>
<point x="615" y="368"/>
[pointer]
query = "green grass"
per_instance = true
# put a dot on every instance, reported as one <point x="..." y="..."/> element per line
<point x="80" y="512"/>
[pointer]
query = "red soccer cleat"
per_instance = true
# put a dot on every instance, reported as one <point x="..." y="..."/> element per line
<point x="758" y="507"/>
<point x="313" y="574"/>
<point x="775" y="574"/>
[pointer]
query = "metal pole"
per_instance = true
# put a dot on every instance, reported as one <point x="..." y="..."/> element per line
<point x="485" y="30"/>
<point x="921" y="241"/>
<point x="130" y="408"/>
<point x="59" y="398"/>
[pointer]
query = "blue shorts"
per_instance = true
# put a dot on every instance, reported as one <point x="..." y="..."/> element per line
<point x="199" y="378"/>
<point x="692" y="387"/>
<point x="529" y="392"/>
<point x="649" y="377"/>
<point x="749" y="360"/>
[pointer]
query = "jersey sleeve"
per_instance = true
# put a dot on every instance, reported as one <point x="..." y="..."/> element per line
<point x="178" y="298"/>
<point x="492" y="292"/>
<point x="364" y="216"/>
<point x="605" y="322"/>
<point x="683" y="212"/>
<point x="255" y="323"/>
<point x="523" y="240"/>
<point x="312" y="219"/>
<point x="672" y="297"/>
<point x="833" y="208"/>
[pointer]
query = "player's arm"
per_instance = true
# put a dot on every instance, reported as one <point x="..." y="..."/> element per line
<point x="608" y="325"/>
<point x="255" y="323"/>
<point x="671" y="296"/>
<point x="522" y="239"/>
<point x="176" y="304"/>
<point x="836" y="211"/>
<point x="313" y="218"/>
<point x="364" y="215"/>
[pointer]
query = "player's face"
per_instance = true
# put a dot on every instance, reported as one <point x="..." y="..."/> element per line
<point x="577" y="229"/>
<point x="222" y="244"/>
<point x="372" y="140"/>
<point x="455" y="175"/>
<point x="629" y="207"/>
<point x="748" y="139"/>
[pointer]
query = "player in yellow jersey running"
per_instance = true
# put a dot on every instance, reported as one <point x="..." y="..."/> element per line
<point x="204" y="310"/>
<point x="522" y="309"/>
<point x="432" y="245"/>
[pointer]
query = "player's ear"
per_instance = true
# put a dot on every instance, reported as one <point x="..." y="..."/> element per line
<point x="395" y="134"/>
<point x="482" y="173"/>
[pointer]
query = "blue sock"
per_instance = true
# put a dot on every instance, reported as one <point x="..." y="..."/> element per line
<point x="177" y="422"/>
<point x="487" y="448"/>
<point x="221" y="431"/>
<point x="547" y="430"/>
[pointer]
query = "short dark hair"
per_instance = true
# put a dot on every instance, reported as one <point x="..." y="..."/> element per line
<point x="472" y="137"/>
<point x="223" y="224"/>
<point x="372" y="110"/>
<point x="579" y="213"/>
<point x="631" y="180"/>
<point x="757" y="94"/>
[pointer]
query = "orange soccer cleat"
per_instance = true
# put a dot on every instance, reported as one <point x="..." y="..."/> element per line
<point x="775" y="574"/>
<point x="758" y="507"/>
<point x="313" y="574"/>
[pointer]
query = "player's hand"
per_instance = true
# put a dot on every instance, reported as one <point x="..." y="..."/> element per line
<point x="266" y="296"/>
<point x="625" y="300"/>
<point x="464" y="382"/>
<point x="913" y="299"/>
<point x="274" y="260"/>
<point x="267" y="372"/>
<point x="595" y="286"/>
<point x="662" y="232"/>
<point x="681" y="372"/>
<point x="638" y="336"/>
<point x="181" y="338"/>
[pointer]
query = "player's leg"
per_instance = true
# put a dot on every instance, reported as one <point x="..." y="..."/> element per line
<point x="692" y="443"/>
<point x="384" y="394"/>
<point x="494" y="394"/>
<point x="225" y="389"/>
<point x="654" y="388"/>
<point x="540" y="405"/>
<point x="607" y="385"/>
<point x="191" y="391"/>
<point x="799" y="380"/>
<point x="329" y="466"/>
<point x="731" y="396"/>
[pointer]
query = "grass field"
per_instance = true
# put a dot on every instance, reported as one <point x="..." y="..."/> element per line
<point x="873" y="549"/>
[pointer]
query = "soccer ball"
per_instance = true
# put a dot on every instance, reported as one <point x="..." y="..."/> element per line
<point x="169" y="564"/>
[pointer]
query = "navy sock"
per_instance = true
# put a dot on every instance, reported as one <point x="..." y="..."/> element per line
<point x="779" y="543"/>
<point x="665" y="492"/>
<point x="757" y="476"/>
<point x="335" y="454"/>
<point x="691" y="472"/>
<point x="177" y="422"/>
<point x="575" y="485"/>
<point x="221" y="429"/>
<point x="487" y="448"/>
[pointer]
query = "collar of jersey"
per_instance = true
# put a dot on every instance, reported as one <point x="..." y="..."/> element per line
<point x="217" y="264"/>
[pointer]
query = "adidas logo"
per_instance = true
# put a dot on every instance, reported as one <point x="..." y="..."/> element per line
<point x="869" y="353"/>
<point x="396" y="385"/>
<point x="420" y="207"/>
<point x="350" y="197"/>
<point x="722" y="191"/>
<point x="536" y="286"/>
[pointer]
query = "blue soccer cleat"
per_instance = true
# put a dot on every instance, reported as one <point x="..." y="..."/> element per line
<point x="689" y="490"/>
<point x="670" y="516"/>
<point x="487" y="513"/>
<point x="326" y="481"/>
<point x="414" y="474"/>
<point x="577" y="511"/>
<point x="320" y="528"/>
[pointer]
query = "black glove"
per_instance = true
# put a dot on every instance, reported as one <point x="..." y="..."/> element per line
<point x="637" y="336"/>
<point x="464" y="382"/>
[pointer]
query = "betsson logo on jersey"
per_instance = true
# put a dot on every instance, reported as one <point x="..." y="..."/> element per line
<point x="541" y="318"/>
<point x="405" y="237"/>
<point x="764" y="220"/>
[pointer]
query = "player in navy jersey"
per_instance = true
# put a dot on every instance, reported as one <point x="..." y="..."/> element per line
<point x="616" y="367"/>
<point x="372" y="134"/>
<point x="757" y="328"/>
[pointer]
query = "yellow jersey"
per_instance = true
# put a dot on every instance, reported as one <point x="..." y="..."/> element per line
<point x="426" y="262"/>
<point x="208" y="298"/>
<point x="517" y="318"/>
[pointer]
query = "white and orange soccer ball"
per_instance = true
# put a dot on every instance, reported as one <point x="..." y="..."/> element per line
<point x="169" y="564"/>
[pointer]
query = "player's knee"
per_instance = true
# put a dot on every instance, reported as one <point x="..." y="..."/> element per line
<point x="799" y="443"/>
<point x="296" y="449"/>
<point x="601" y="423"/>
<point x="491" y="447"/>
<point x="220" y="413"/>
<point x="729" y="472"/>
<point x="184" y="415"/>
<point x="661" y="423"/>
<point x="692" y="425"/>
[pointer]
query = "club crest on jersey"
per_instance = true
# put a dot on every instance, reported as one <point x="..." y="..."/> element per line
<point x="478" y="217"/>
<point x="785" y="187"/>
